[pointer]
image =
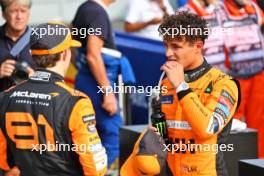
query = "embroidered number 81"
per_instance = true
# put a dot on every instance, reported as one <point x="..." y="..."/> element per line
<point x="23" y="130"/>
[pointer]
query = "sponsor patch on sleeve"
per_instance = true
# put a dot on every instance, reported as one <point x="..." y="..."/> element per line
<point x="216" y="123"/>
<point x="94" y="148"/>
<point x="225" y="102"/>
<point x="100" y="165"/>
<point x="210" y="127"/>
<point x="90" y="120"/>
<point x="94" y="138"/>
<point x="229" y="98"/>
<point x="221" y="113"/>
<point x="224" y="109"/>
<point x="100" y="155"/>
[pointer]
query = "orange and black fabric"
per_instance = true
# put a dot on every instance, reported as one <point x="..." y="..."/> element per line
<point x="45" y="111"/>
<point x="51" y="38"/>
<point x="148" y="157"/>
<point x="199" y="120"/>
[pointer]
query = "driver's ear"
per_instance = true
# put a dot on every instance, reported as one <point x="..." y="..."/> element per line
<point x="63" y="55"/>
<point x="66" y="54"/>
<point x="199" y="45"/>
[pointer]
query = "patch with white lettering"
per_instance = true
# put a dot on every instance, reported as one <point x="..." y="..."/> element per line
<point x="94" y="148"/>
<point x="225" y="94"/>
<point x="167" y="99"/>
<point x="224" y="109"/>
<point x="182" y="125"/>
<point x="41" y="76"/>
<point x="221" y="113"/>
<point x="27" y="94"/>
<point x="90" y="120"/>
<point x="225" y="102"/>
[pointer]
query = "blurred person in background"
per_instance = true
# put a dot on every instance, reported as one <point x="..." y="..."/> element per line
<point x="92" y="73"/>
<point x="144" y="16"/>
<point x="245" y="60"/>
<point x="214" y="45"/>
<point x="16" y="14"/>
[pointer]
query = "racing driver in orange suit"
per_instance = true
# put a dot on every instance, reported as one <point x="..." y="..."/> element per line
<point x="199" y="104"/>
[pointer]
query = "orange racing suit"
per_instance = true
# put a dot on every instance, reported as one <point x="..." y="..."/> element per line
<point x="198" y="119"/>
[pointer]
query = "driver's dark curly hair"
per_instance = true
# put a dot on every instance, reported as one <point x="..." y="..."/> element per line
<point x="195" y="26"/>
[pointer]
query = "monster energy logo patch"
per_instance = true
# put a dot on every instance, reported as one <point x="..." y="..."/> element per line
<point x="161" y="127"/>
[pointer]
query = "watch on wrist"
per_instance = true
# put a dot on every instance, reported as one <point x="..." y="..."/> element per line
<point x="183" y="86"/>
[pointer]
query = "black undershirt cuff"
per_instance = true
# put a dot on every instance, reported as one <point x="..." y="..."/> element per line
<point x="183" y="93"/>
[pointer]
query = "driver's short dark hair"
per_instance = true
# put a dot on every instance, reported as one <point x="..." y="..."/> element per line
<point x="196" y="26"/>
<point x="45" y="60"/>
